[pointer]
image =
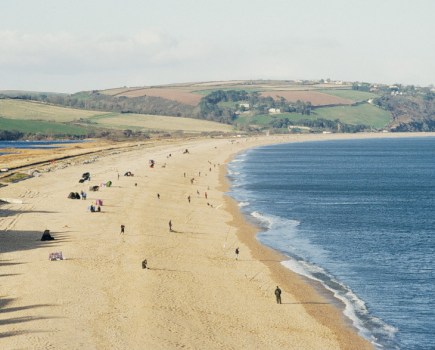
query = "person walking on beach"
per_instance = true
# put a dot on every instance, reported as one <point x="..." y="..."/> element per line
<point x="122" y="229"/>
<point x="278" y="295"/>
<point x="170" y="226"/>
<point x="158" y="195"/>
<point x="237" y="253"/>
<point x="188" y="198"/>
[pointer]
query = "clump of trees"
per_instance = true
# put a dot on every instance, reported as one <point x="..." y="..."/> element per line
<point x="226" y="96"/>
<point x="410" y="112"/>
<point x="424" y="125"/>
<point x="14" y="135"/>
<point x="361" y="86"/>
<point x="7" y="135"/>
<point x="210" y="107"/>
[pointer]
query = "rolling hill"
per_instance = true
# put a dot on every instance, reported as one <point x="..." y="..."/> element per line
<point x="250" y="106"/>
<point x="42" y="119"/>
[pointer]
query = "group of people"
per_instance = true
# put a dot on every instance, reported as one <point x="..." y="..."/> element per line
<point x="277" y="291"/>
<point x="94" y="208"/>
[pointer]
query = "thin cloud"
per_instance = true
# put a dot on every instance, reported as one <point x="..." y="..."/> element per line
<point x="64" y="52"/>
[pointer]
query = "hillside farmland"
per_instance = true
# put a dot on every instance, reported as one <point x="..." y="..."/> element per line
<point x="316" y="98"/>
<point x="144" y="122"/>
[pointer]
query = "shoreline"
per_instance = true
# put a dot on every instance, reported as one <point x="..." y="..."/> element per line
<point x="250" y="238"/>
<point x="22" y="158"/>
<point x="194" y="293"/>
<point x="306" y="291"/>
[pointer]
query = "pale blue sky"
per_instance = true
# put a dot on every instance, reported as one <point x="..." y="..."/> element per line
<point x="73" y="45"/>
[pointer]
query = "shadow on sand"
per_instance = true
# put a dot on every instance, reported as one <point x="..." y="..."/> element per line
<point x="12" y="240"/>
<point x="5" y="302"/>
<point x="17" y="321"/>
<point x="10" y="212"/>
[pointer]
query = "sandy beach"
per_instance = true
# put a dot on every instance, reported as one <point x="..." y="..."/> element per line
<point x="194" y="293"/>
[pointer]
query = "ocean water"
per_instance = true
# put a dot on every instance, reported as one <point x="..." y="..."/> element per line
<point x="358" y="216"/>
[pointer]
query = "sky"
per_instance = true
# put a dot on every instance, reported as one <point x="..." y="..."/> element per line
<point x="76" y="45"/>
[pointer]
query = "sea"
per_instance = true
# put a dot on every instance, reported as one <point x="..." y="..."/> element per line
<point x="357" y="216"/>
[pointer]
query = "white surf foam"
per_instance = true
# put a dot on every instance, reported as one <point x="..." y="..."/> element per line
<point x="355" y="309"/>
<point x="283" y="235"/>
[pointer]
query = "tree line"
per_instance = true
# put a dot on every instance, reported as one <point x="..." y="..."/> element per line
<point x="7" y="135"/>
<point x="319" y="124"/>
<point x="93" y="100"/>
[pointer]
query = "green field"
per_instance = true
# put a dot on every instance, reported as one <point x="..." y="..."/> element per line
<point x="145" y="122"/>
<point x="362" y="114"/>
<point x="41" y="127"/>
<point x="28" y="110"/>
<point x="365" y="113"/>
<point x="34" y="117"/>
<point x="265" y="119"/>
<point x="353" y="95"/>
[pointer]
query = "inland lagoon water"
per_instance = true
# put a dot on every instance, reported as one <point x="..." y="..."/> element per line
<point x="358" y="216"/>
<point x="34" y="144"/>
